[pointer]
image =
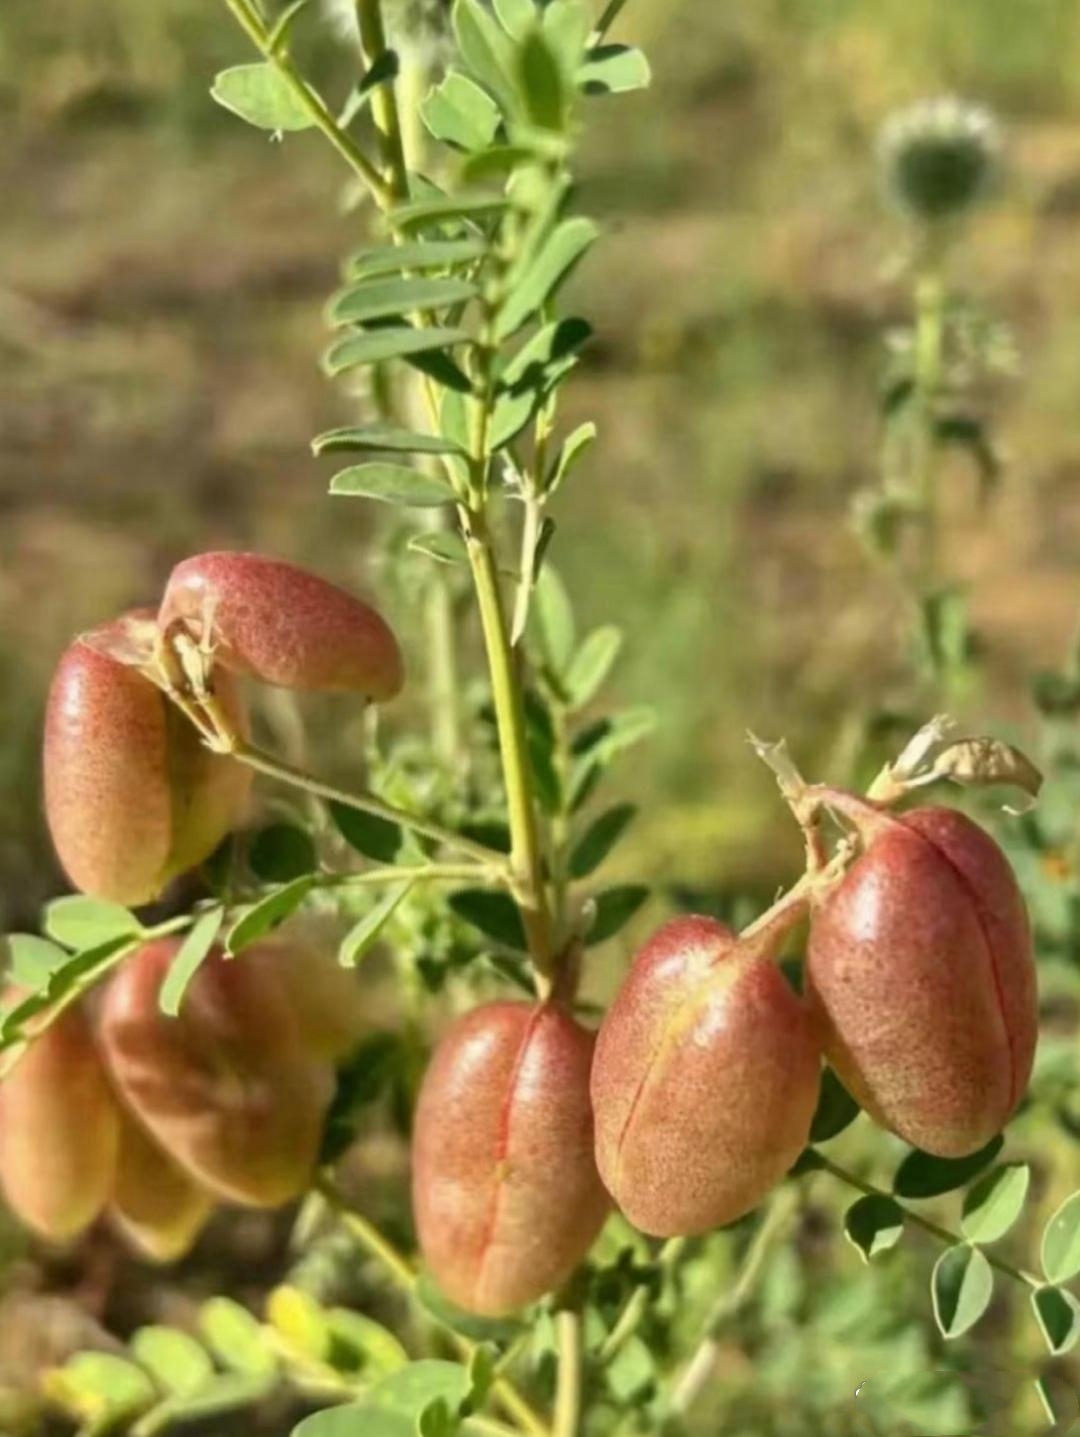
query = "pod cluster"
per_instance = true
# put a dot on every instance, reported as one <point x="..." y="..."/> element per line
<point x="154" y="1120"/>
<point x="699" y="1092"/>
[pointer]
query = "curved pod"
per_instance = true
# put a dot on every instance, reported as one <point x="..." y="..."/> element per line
<point x="705" y="1079"/>
<point x="132" y="796"/>
<point x="59" y="1129"/>
<point x="226" y="1087"/>
<point x="283" y="625"/>
<point x="921" y="963"/>
<point x="505" y="1189"/>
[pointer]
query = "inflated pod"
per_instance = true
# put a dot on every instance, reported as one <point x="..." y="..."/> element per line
<point x="283" y="625"/>
<point x="705" y="1079"/>
<point x="505" y="1189"/>
<point x="156" y="1206"/>
<point x="226" y="1088"/>
<point x="59" y="1129"/>
<point x="132" y="796"/>
<point x="921" y="963"/>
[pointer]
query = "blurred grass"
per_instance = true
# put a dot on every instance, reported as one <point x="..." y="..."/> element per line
<point x="163" y="273"/>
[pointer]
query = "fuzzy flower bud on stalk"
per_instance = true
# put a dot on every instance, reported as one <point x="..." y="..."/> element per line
<point x="939" y="158"/>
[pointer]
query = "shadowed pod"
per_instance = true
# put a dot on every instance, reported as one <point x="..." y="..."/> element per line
<point x="505" y="1189"/>
<point x="920" y="962"/>
<point x="228" y="1087"/>
<point x="155" y="1206"/>
<point x="705" y="1080"/>
<point x="132" y="796"/>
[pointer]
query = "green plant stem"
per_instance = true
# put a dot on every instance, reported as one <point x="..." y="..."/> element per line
<point x="271" y="767"/>
<point x="404" y="1275"/>
<point x="384" y="105"/>
<point x="526" y="857"/>
<point x="699" y="1371"/>
<point x="928" y="362"/>
<point x="612" y="11"/>
<point x="630" y="1319"/>
<point x="472" y="873"/>
<point x="942" y="1234"/>
<point x="248" y="17"/>
<point x="569" y="1388"/>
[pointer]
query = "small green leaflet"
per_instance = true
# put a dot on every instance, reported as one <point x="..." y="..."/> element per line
<point x="176" y="1362"/>
<point x="553" y="624"/>
<point x="516" y="17"/>
<point x="261" y="96"/>
<point x="485" y="49"/>
<point x="33" y="960"/>
<point x="921" y="1175"/>
<point x="599" y="839"/>
<point x="614" y="909"/>
<point x="614" y="70"/>
<point x="540" y="79"/>
<point x="418" y="256"/>
<point x="962" y="1285"/>
<point x="873" y="1225"/>
<point x="562" y="251"/>
<point x="836" y="1109"/>
<point x="78" y="922"/>
<point x="388" y="298"/>
<point x="444" y="209"/>
<point x="994" y="1203"/>
<point x="392" y="484"/>
<point x="236" y="1338"/>
<point x="494" y="914"/>
<point x="1058" y="1315"/>
<point x="1061" y="1241"/>
<point x="444" y="547"/>
<point x="381" y="436"/>
<point x="385" y="69"/>
<point x="591" y="664"/>
<point x="262" y="917"/>
<point x="189" y="959"/>
<point x="363" y="934"/>
<point x="459" y="112"/>
<point x="392" y="342"/>
<point x="574" y="446"/>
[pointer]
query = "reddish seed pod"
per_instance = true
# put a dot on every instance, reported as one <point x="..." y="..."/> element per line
<point x="283" y="625"/>
<point x="505" y="1189"/>
<point x="226" y="1088"/>
<point x="59" y="1129"/>
<point x="705" y="1080"/>
<point x="922" y="965"/>
<point x="157" y="1208"/>
<point x="132" y="796"/>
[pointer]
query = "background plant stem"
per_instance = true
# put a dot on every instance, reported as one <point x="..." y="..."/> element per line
<point x="568" y="1392"/>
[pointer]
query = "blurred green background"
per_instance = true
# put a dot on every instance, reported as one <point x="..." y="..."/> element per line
<point x="162" y="272"/>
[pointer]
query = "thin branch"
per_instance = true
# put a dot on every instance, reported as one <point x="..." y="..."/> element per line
<point x="266" y="763"/>
<point x="568" y="1391"/>
<point x="249" y="19"/>
<point x="942" y="1234"/>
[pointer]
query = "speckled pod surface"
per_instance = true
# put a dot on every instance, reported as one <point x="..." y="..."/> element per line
<point x="226" y="1088"/>
<point x="59" y="1129"/>
<point x="705" y="1080"/>
<point x="132" y="796"/>
<point x="921" y="963"/>
<point x="283" y="625"/>
<point x="505" y="1189"/>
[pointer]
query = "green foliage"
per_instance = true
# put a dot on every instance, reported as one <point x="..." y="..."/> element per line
<point x="962" y="1286"/>
<point x="921" y="1175"/>
<point x="259" y="95"/>
<point x="190" y="957"/>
